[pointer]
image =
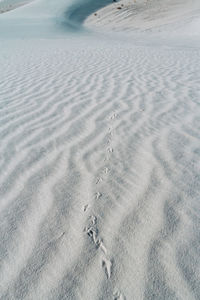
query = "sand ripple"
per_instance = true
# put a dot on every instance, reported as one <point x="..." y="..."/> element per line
<point x="99" y="170"/>
<point x="99" y="174"/>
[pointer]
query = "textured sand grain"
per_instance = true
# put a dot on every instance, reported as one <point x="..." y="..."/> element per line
<point x="99" y="162"/>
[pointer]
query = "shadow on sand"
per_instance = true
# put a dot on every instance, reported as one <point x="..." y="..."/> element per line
<point x="76" y="14"/>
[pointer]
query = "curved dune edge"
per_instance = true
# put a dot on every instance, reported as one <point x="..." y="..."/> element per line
<point x="78" y="12"/>
<point x="48" y="18"/>
<point x="4" y="7"/>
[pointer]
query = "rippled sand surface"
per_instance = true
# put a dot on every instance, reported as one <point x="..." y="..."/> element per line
<point x="99" y="160"/>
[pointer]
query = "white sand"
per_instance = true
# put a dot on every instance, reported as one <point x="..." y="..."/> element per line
<point x="7" y="5"/>
<point x="99" y="153"/>
<point x="168" y="16"/>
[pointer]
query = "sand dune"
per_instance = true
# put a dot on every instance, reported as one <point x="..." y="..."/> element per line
<point x="99" y="157"/>
<point x="175" y="17"/>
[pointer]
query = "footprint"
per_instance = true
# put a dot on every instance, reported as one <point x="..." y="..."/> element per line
<point x="85" y="207"/>
<point x="106" y="170"/>
<point x="98" y="195"/>
<point x="102" y="247"/>
<point x="113" y="116"/>
<point x="110" y="150"/>
<point x="99" y="179"/>
<point x="110" y="131"/>
<point x="107" y="266"/>
<point x="93" y="220"/>
<point x="93" y="234"/>
<point x="119" y="296"/>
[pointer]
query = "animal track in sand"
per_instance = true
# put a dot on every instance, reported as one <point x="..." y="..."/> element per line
<point x="110" y="131"/>
<point x="103" y="172"/>
<point x="102" y="247"/>
<point x="119" y="296"/>
<point x="106" y="170"/>
<point x="110" y="150"/>
<point x="114" y="116"/>
<point x="93" y="233"/>
<point x="107" y="266"/>
<point x="85" y="207"/>
<point x="98" y="195"/>
<point x="93" y="220"/>
<point x="92" y="228"/>
<point x="99" y="179"/>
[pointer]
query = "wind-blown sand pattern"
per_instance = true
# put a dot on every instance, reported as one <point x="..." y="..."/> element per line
<point x="100" y="151"/>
